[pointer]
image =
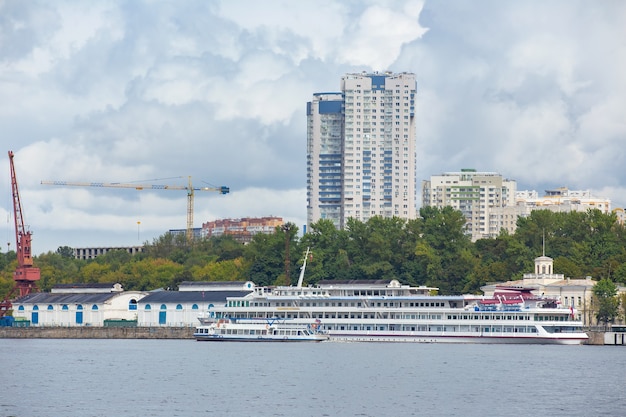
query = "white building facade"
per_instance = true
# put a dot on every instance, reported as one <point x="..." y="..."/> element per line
<point x="478" y="195"/>
<point x="361" y="149"/>
<point x="72" y="305"/>
<point x="574" y="293"/>
<point x="556" y="200"/>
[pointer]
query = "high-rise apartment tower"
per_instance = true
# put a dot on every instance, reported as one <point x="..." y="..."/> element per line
<point x="361" y="149"/>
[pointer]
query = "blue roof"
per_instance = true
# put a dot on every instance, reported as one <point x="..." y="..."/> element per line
<point x="66" y="298"/>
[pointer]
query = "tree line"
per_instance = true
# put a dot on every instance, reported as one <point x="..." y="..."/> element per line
<point x="431" y="250"/>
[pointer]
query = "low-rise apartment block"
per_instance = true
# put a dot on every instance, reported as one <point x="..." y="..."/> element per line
<point x="241" y="229"/>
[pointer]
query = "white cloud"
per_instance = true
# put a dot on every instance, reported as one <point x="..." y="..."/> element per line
<point x="119" y="91"/>
<point x="379" y="35"/>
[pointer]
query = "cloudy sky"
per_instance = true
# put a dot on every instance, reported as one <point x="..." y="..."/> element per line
<point x="152" y="91"/>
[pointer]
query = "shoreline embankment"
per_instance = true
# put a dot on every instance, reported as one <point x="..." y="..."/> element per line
<point x="96" y="332"/>
<point x="596" y="338"/>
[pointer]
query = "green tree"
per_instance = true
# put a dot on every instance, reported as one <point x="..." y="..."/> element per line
<point x="605" y="292"/>
<point x="228" y="270"/>
<point x="266" y="256"/>
<point x="65" y="251"/>
<point x="622" y="301"/>
<point x="449" y="250"/>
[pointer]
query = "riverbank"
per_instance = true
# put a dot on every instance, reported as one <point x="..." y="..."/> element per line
<point x="96" y="332"/>
<point x="596" y="338"/>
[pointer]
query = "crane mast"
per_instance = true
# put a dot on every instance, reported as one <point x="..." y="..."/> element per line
<point x="25" y="275"/>
<point x="189" y="188"/>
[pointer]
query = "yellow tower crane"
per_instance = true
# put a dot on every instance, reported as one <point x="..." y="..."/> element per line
<point x="190" y="193"/>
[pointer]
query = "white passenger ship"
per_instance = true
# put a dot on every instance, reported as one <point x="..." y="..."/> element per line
<point x="377" y="311"/>
<point x="259" y="330"/>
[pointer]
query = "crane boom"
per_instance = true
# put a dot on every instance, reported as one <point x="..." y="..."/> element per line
<point x="137" y="186"/>
<point x="25" y="275"/>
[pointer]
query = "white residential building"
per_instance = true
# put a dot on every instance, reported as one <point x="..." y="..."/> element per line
<point x="477" y="195"/>
<point x="361" y="149"/>
<point x="556" y="200"/>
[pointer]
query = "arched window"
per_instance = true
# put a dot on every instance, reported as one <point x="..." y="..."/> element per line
<point x="132" y="305"/>
<point x="35" y="308"/>
<point x="163" y="314"/>
<point x="79" y="314"/>
<point x="179" y="307"/>
<point x="94" y="307"/>
<point x="50" y="307"/>
<point x="20" y="308"/>
<point x="147" y="307"/>
<point x="64" y="308"/>
<point x="194" y="307"/>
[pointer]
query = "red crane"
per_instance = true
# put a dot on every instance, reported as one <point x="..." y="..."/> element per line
<point x="25" y="275"/>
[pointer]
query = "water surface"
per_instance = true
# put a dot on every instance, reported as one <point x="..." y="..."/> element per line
<point x="60" y="377"/>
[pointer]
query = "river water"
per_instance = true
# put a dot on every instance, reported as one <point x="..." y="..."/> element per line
<point x="61" y="377"/>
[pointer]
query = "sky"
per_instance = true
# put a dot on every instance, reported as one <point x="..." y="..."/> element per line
<point x="156" y="92"/>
